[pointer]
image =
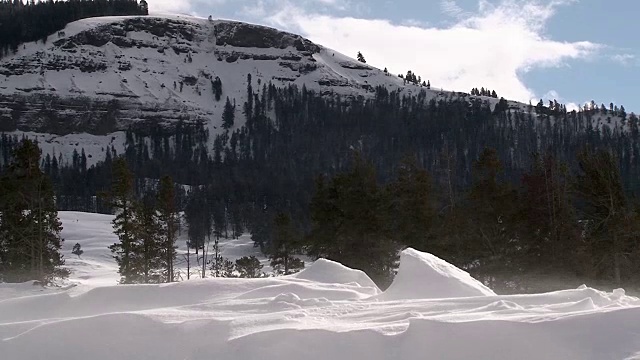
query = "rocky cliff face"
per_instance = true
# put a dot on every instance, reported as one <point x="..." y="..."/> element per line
<point x="101" y="75"/>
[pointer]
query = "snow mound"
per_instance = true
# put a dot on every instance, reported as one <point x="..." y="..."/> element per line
<point x="331" y="272"/>
<point x="425" y="276"/>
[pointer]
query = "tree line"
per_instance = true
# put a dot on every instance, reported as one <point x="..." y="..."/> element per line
<point x="270" y="165"/>
<point x="147" y="231"/>
<point x="555" y="222"/>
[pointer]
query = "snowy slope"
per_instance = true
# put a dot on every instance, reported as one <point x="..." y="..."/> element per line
<point x="137" y="60"/>
<point x="326" y="312"/>
<point x="102" y="75"/>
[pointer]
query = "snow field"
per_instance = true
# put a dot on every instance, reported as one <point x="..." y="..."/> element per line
<point x="431" y="311"/>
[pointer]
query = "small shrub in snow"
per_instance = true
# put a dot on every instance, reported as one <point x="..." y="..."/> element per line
<point x="77" y="250"/>
<point x="249" y="267"/>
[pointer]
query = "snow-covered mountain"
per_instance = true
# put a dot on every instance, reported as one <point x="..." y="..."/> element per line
<point x="100" y="75"/>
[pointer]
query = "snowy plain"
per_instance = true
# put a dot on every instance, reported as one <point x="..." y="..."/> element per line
<point x="431" y="311"/>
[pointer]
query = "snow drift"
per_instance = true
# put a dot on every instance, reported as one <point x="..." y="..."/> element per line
<point x="326" y="312"/>
<point x="425" y="276"/>
<point x="327" y="271"/>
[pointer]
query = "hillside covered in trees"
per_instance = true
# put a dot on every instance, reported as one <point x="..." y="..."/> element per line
<point x="507" y="194"/>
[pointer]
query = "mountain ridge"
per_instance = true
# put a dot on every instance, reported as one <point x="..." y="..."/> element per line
<point x="101" y="76"/>
<point x="125" y="70"/>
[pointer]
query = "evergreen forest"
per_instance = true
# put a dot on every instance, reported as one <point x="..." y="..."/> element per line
<point x="515" y="196"/>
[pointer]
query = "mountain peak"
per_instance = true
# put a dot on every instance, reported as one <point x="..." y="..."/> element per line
<point x="105" y="74"/>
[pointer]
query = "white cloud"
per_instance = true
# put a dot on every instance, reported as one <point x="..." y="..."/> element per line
<point x="181" y="6"/>
<point x="451" y="8"/>
<point x="170" y="6"/>
<point x="490" y="48"/>
<point x="624" y="59"/>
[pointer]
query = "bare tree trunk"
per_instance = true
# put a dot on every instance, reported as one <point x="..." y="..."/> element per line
<point x="204" y="256"/>
<point x="188" y="262"/>
<point x="217" y="257"/>
<point x="616" y="268"/>
<point x="41" y="240"/>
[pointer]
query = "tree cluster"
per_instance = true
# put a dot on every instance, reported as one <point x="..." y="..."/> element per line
<point x="146" y="229"/>
<point x="484" y="92"/>
<point x="351" y="225"/>
<point x="216" y="86"/>
<point x="553" y="223"/>
<point x="30" y="239"/>
<point x="416" y="80"/>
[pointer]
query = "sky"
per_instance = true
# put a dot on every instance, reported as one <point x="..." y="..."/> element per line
<point x="573" y="51"/>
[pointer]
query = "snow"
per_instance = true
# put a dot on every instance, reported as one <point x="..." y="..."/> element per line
<point x="327" y="271"/>
<point x="146" y="90"/>
<point x="328" y="311"/>
<point x="425" y="276"/>
<point x="96" y="267"/>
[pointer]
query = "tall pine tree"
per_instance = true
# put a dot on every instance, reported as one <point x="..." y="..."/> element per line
<point x="121" y="200"/>
<point x="411" y="205"/>
<point x="147" y="260"/>
<point x="168" y="216"/>
<point x="611" y="231"/>
<point x="349" y="223"/>
<point x="284" y="246"/>
<point x="29" y="226"/>
<point x="228" y="115"/>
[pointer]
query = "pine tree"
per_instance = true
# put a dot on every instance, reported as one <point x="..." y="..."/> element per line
<point x="121" y="201"/>
<point x="144" y="7"/>
<point x="551" y="232"/>
<point x="196" y="218"/>
<point x="228" y="115"/>
<point x="29" y="226"/>
<point x="147" y="259"/>
<point x="168" y="217"/>
<point x="285" y="244"/>
<point x="411" y="209"/>
<point x="217" y="261"/>
<point x="492" y="209"/>
<point x="610" y="235"/>
<point x="349" y="223"/>
<point x="249" y="267"/>
<point x="216" y="85"/>
<point x="228" y="268"/>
